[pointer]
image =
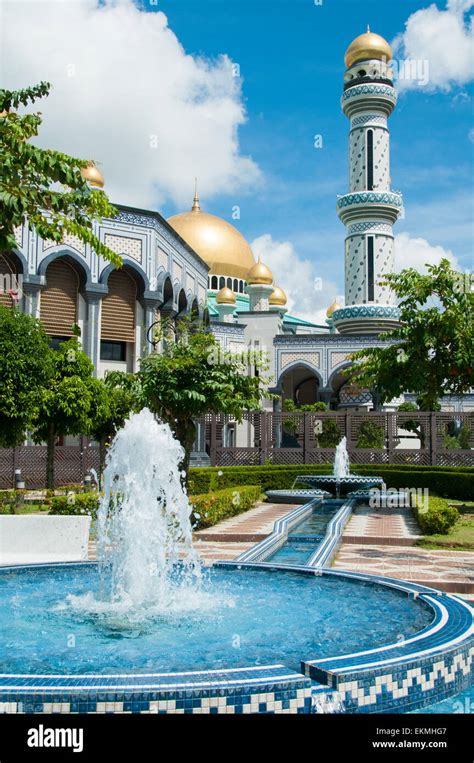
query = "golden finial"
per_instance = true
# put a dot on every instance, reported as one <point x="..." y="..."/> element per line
<point x="196" y="206"/>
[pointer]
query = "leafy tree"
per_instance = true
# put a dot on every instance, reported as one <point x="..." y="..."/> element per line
<point x="118" y="397"/>
<point x="25" y="367"/>
<point x="194" y="376"/>
<point x="370" y="435"/>
<point x="331" y="435"/>
<point x="70" y="401"/>
<point x="431" y="353"/>
<point x="41" y="186"/>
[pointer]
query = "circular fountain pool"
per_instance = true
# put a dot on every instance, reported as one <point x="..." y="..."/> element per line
<point x="240" y="618"/>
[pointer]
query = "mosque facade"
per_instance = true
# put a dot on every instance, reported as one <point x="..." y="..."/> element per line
<point x="197" y="263"/>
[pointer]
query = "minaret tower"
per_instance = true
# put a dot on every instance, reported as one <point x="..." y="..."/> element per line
<point x="370" y="208"/>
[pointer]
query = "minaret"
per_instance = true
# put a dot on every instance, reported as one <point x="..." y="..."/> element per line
<point x="370" y="208"/>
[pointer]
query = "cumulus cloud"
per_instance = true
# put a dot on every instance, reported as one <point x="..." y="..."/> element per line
<point x="126" y="93"/>
<point x="443" y="38"/>
<point x="418" y="252"/>
<point x="309" y="293"/>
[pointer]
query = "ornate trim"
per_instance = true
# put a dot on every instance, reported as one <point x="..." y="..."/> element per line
<point x="366" y="311"/>
<point x="362" y="227"/>
<point x="370" y="197"/>
<point x="380" y="90"/>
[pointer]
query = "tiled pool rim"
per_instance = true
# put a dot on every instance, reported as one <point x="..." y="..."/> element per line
<point x="433" y="665"/>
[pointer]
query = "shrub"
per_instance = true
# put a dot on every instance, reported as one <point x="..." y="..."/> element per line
<point x="75" y="503"/>
<point x="438" y="518"/>
<point x="211" y="508"/>
<point x="370" y="435"/>
<point x="331" y="435"/>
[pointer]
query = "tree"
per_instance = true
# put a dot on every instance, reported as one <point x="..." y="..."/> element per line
<point x="44" y="187"/>
<point x="70" y="401"/>
<point x="119" y="396"/>
<point x="26" y="365"/>
<point x="194" y="376"/>
<point x="432" y="349"/>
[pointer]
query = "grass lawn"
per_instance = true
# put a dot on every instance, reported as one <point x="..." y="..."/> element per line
<point x="460" y="537"/>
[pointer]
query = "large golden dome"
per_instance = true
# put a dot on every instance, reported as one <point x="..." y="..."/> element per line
<point x="367" y="46"/>
<point x="217" y="242"/>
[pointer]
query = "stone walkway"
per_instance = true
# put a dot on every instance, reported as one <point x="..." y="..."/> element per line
<point x="390" y="527"/>
<point x="451" y="571"/>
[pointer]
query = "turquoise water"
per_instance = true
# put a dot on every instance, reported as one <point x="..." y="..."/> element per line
<point x="246" y="618"/>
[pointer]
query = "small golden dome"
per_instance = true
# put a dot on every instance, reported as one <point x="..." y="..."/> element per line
<point x="278" y="297"/>
<point x="225" y="296"/>
<point x="216" y="241"/>
<point x="259" y="273"/>
<point x="93" y="175"/>
<point x="332" y="309"/>
<point x="366" y="46"/>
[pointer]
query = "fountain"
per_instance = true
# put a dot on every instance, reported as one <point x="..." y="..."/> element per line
<point x="146" y="559"/>
<point x="147" y="629"/>
<point x="339" y="484"/>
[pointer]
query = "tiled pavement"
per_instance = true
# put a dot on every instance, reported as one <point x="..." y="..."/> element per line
<point x="451" y="571"/>
<point x="391" y="527"/>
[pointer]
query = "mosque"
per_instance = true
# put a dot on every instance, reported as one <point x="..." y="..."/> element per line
<point x="198" y="263"/>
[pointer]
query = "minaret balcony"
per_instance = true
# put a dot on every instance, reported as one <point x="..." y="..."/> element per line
<point x="385" y="206"/>
<point x="369" y="97"/>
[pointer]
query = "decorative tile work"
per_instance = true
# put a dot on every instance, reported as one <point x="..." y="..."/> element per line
<point x="379" y="90"/>
<point x="372" y="118"/>
<point x="162" y="259"/>
<point x="69" y="240"/>
<point x="374" y="225"/>
<point x="177" y="271"/>
<point x="339" y="357"/>
<point x="366" y="311"/>
<point x="314" y="358"/>
<point x="370" y="197"/>
<point x="124" y="245"/>
<point x="18" y="233"/>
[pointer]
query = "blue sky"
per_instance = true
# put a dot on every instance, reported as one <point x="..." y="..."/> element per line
<point x="290" y="54"/>
<point x="145" y="88"/>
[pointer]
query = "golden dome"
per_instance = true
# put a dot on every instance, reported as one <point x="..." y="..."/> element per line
<point x="225" y="296"/>
<point x="278" y="297"/>
<point x="216" y="241"/>
<point x="93" y="176"/>
<point x="332" y="309"/>
<point x="259" y="273"/>
<point x="368" y="45"/>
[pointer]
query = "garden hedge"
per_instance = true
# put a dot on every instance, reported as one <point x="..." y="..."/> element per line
<point x="451" y="482"/>
<point x="208" y="508"/>
<point x="211" y="508"/>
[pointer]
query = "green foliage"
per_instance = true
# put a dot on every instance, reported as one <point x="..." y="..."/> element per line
<point x="331" y="435"/>
<point x="75" y="503"/>
<point x="44" y="187"/>
<point x="451" y="482"/>
<point x="7" y="501"/>
<point x="450" y="442"/>
<point x="120" y="395"/>
<point x="194" y="376"/>
<point x="370" y="435"/>
<point x="210" y="508"/>
<point x="25" y="367"/>
<point x="464" y="437"/>
<point x="290" y="405"/>
<point x="438" y="518"/>
<point x="431" y="353"/>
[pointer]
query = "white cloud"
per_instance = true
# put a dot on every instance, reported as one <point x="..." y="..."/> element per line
<point x="443" y="38"/>
<point x="418" y="252"/>
<point x="121" y="81"/>
<point x="309" y="293"/>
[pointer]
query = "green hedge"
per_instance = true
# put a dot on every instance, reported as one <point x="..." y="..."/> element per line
<point x="211" y="508"/>
<point x="449" y="482"/>
<point x="438" y="518"/>
<point x="79" y="503"/>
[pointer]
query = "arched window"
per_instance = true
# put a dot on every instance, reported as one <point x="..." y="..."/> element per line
<point x="241" y="287"/>
<point x="236" y="285"/>
<point x="229" y="283"/>
<point x="221" y="282"/>
<point x="214" y="282"/>
<point x="370" y="269"/>
<point x="118" y="308"/>
<point x="58" y="301"/>
<point x="370" y="160"/>
<point x="362" y="73"/>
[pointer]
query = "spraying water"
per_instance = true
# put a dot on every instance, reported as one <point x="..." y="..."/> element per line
<point x="144" y="529"/>
<point x="341" y="460"/>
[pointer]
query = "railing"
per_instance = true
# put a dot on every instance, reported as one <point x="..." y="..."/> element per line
<point x="277" y="438"/>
